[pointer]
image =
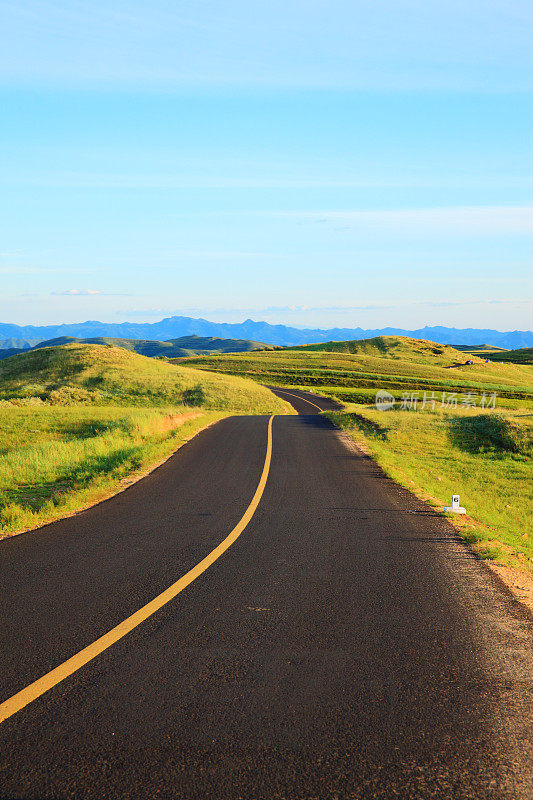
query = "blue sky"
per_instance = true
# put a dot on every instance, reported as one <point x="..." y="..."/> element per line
<point x="319" y="163"/>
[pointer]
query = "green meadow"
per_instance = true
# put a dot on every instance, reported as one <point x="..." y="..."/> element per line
<point x="78" y="421"/>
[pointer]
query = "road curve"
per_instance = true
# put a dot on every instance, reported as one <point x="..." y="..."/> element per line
<point x="345" y="646"/>
<point x="305" y="402"/>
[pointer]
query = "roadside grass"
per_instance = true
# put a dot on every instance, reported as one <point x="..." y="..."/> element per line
<point x="79" y="422"/>
<point x="483" y="457"/>
<point x="82" y="458"/>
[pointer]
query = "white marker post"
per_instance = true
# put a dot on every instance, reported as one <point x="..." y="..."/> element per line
<point x="455" y="507"/>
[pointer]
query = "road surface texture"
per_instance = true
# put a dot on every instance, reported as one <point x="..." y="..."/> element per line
<point x="346" y="646"/>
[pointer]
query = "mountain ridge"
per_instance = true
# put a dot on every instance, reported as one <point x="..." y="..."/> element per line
<point x="260" y="331"/>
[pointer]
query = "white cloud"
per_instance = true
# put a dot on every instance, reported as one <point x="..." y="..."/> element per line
<point x="287" y="314"/>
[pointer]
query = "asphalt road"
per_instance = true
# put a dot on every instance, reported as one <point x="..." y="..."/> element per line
<point x="347" y="645"/>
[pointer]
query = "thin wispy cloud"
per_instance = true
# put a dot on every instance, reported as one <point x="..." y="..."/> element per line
<point x="258" y="313"/>
<point x="466" y="303"/>
<point x="222" y="254"/>
<point x="16" y="269"/>
<point x="168" y="181"/>
<point x="395" y="44"/>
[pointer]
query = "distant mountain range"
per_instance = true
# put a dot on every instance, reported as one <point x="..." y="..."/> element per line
<point x="177" y="327"/>
<point x="172" y="348"/>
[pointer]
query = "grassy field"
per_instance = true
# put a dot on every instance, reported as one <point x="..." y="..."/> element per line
<point x="77" y="421"/>
<point x="453" y="443"/>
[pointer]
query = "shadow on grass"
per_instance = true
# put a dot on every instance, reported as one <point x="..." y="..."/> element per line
<point x="488" y="433"/>
<point x="194" y="396"/>
<point x="34" y="497"/>
<point x="102" y="464"/>
<point x="370" y="428"/>
<point x="88" y="429"/>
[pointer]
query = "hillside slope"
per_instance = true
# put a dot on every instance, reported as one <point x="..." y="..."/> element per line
<point x="173" y="348"/>
<point x="401" y="348"/>
<point x="522" y="356"/>
<point x="114" y="375"/>
<point x="478" y="348"/>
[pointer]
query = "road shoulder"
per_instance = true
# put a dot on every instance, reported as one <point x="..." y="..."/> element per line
<point x="517" y="582"/>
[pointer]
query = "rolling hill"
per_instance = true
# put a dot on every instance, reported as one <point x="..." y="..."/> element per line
<point x="522" y="356"/>
<point x="355" y="370"/>
<point x="173" y="348"/>
<point x="88" y="372"/>
<point x="401" y="348"/>
<point x="476" y="348"/>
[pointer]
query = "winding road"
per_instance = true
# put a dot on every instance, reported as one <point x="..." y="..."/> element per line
<point x="266" y="616"/>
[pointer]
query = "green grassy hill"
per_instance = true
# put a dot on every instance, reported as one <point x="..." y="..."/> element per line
<point x="77" y="420"/>
<point x="522" y="356"/>
<point x="102" y="375"/>
<point x="354" y="371"/>
<point x="13" y="343"/>
<point x="396" y="347"/>
<point x="174" y="348"/>
<point x="478" y="348"/>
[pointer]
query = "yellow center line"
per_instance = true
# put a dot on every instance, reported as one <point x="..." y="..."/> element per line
<point x="299" y="397"/>
<point x="42" y="685"/>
